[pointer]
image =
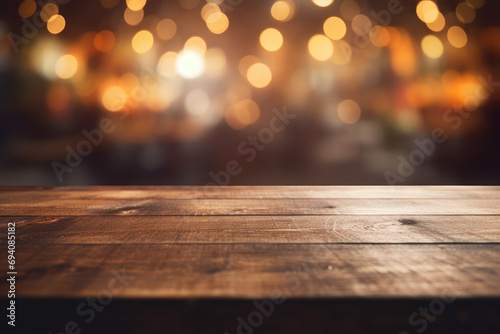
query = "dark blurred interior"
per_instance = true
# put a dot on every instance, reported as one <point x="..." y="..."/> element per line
<point x="190" y="92"/>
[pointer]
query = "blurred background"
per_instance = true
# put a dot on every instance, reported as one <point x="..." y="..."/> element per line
<point x="249" y="92"/>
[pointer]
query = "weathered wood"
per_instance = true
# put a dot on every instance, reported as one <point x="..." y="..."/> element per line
<point x="261" y="270"/>
<point x="151" y="206"/>
<point x="255" y="229"/>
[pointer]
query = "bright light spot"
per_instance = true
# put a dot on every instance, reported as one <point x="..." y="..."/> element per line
<point x="166" y="64"/>
<point x="259" y="75"/>
<point x="166" y="29"/>
<point x="136" y="4"/>
<point x="241" y="114"/>
<point x="216" y="62"/>
<point x="432" y="46"/>
<point x="380" y="36"/>
<point x="48" y="11"/>
<point x="282" y="10"/>
<point x="66" y="66"/>
<point x="142" y="41"/>
<point x="334" y="27"/>
<point x="438" y="24"/>
<point x="465" y="12"/>
<point x="114" y="98"/>
<point x="209" y="9"/>
<point x="197" y="102"/>
<point x="427" y="11"/>
<point x="349" y="111"/>
<point x="349" y="9"/>
<point x="322" y="3"/>
<point x="133" y="17"/>
<point x="27" y="8"/>
<point x="104" y="41"/>
<point x="56" y="24"/>
<point x="217" y="22"/>
<point x="190" y="64"/>
<point x="271" y="39"/>
<point x="457" y="37"/>
<point x="320" y="47"/>
<point x="197" y="44"/>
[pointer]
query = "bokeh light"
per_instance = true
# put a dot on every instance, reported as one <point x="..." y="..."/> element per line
<point x="427" y="11"/>
<point x="66" y="66"/>
<point x="432" y="46"/>
<point x="242" y="114"/>
<point x="334" y="27"/>
<point x="190" y="64"/>
<point x="27" y="8"/>
<point x="259" y="75"/>
<point x="349" y="111"/>
<point x="197" y="44"/>
<point x="457" y="37"/>
<point x="114" y="98"/>
<point x="322" y="3"/>
<point x="48" y="11"/>
<point x="142" y="41"/>
<point x="217" y="22"/>
<point x="56" y="24"/>
<point x="283" y="10"/>
<point x="104" y="41"/>
<point x="166" y="64"/>
<point x="166" y="29"/>
<point x="320" y="47"/>
<point x="133" y="17"/>
<point x="136" y="5"/>
<point x="438" y="24"/>
<point x="271" y="39"/>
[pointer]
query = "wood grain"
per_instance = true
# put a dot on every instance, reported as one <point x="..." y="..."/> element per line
<point x="172" y="271"/>
<point x="255" y="229"/>
<point x="47" y="206"/>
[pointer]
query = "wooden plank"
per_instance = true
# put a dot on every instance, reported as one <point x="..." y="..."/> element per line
<point x="255" y="229"/>
<point x="46" y="206"/>
<point x="260" y="270"/>
<point x="29" y="194"/>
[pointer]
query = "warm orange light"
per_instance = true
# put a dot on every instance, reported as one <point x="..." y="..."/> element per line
<point x="427" y="11"/>
<point x="259" y="75"/>
<point x="104" y="41"/>
<point x="217" y="22"/>
<point x="66" y="66"/>
<point x="142" y="41"/>
<point x="322" y="3"/>
<point x="282" y="10"/>
<point x="56" y="24"/>
<point x="166" y="29"/>
<point x="114" y="98"/>
<point x="133" y="17"/>
<point x="136" y="4"/>
<point x="334" y="27"/>
<point x="27" y="8"/>
<point x="320" y="47"/>
<point x="432" y="46"/>
<point x="271" y="39"/>
<point x="457" y="37"/>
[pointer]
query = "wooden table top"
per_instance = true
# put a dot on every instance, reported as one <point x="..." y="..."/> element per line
<point x="256" y="241"/>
